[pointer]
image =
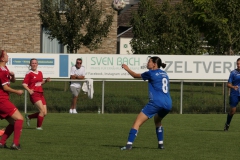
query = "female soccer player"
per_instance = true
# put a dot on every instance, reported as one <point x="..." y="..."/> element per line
<point x="7" y="110"/>
<point x="234" y="84"/>
<point x="33" y="82"/>
<point x="160" y="102"/>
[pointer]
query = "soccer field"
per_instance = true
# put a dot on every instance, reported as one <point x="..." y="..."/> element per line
<point x="96" y="136"/>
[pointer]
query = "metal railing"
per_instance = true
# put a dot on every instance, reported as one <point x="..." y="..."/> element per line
<point x="131" y="80"/>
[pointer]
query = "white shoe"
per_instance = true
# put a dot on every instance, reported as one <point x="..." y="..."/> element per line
<point x="74" y="111"/>
<point x="71" y="111"/>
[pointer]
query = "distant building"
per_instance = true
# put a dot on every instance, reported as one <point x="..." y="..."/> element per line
<point x="21" y="30"/>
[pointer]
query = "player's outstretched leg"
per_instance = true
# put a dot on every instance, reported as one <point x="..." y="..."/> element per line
<point x="227" y="124"/>
<point x="131" y="137"/>
<point x="226" y="127"/>
<point x="159" y="132"/>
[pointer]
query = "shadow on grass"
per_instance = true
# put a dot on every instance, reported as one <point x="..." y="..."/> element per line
<point x="211" y="130"/>
<point x="115" y="146"/>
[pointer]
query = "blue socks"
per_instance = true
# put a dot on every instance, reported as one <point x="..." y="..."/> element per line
<point x="159" y="132"/>
<point x="132" y="135"/>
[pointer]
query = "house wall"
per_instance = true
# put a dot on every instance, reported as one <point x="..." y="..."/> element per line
<point x="20" y="30"/>
<point x="109" y="45"/>
<point x="20" y="26"/>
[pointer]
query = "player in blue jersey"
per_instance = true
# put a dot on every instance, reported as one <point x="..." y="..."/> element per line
<point x="234" y="84"/>
<point x="160" y="102"/>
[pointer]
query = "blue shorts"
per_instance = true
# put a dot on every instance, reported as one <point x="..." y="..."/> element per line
<point x="150" y="110"/>
<point x="233" y="101"/>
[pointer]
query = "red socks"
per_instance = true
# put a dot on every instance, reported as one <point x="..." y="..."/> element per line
<point x="17" y="131"/>
<point x="17" y="128"/>
<point x="39" y="121"/>
<point x="34" y="115"/>
<point x="8" y="131"/>
<point x="39" y="118"/>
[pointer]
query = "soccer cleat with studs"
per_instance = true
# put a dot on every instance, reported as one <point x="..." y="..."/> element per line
<point x="15" y="147"/>
<point x="3" y="145"/>
<point x="226" y="127"/>
<point x="160" y="146"/>
<point x="127" y="147"/>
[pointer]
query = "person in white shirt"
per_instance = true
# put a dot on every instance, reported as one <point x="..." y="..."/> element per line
<point x="77" y="72"/>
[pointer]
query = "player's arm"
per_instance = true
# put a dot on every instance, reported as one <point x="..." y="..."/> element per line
<point x="12" y="77"/>
<point x="25" y="83"/>
<point x="25" y="86"/>
<point x="133" y="74"/>
<point x="46" y="80"/>
<point x="229" y="85"/>
<point x="9" y="89"/>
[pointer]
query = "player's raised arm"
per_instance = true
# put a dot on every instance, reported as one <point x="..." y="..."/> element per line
<point x="133" y="74"/>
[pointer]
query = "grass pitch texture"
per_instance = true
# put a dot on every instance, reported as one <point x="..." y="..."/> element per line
<point x="99" y="136"/>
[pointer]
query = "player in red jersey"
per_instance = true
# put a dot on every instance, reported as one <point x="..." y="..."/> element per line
<point x="8" y="110"/>
<point x="33" y="82"/>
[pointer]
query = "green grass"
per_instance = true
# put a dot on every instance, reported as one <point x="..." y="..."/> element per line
<point x="96" y="136"/>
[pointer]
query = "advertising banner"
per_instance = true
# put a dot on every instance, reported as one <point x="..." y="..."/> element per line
<point x="108" y="66"/>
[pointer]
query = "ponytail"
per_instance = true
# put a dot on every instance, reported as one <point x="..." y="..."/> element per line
<point x="158" y="60"/>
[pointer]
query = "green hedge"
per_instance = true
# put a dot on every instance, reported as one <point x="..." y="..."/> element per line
<point x="128" y="97"/>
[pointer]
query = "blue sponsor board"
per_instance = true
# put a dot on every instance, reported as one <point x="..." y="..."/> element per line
<point x="63" y="66"/>
<point x="26" y="61"/>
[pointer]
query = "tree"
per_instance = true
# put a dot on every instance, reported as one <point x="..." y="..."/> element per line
<point x="75" y="22"/>
<point x="164" y="29"/>
<point x="219" y="21"/>
<point x="145" y="40"/>
<point x="187" y="34"/>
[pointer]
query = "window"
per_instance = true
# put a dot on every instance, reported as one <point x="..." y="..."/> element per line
<point x="60" y="3"/>
<point x="50" y="46"/>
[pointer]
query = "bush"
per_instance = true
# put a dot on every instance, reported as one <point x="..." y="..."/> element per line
<point x="127" y="97"/>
